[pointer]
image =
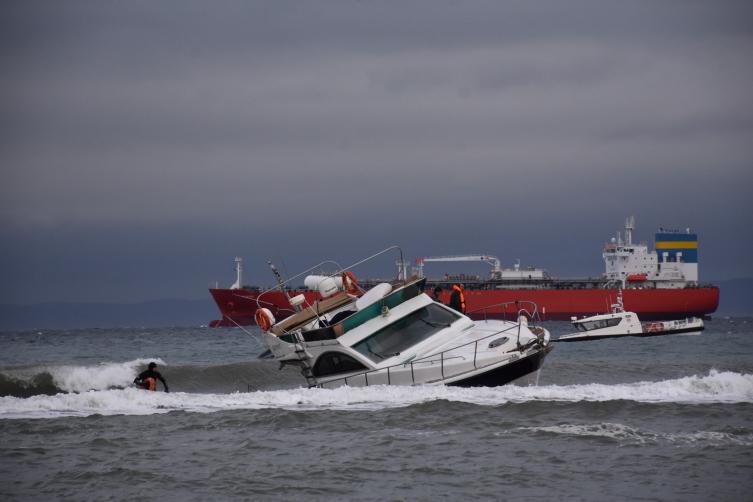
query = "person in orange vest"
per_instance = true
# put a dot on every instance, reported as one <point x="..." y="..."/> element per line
<point x="457" y="301"/>
<point x="147" y="380"/>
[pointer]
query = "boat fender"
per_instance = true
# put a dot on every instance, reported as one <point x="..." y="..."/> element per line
<point x="659" y="326"/>
<point x="373" y="295"/>
<point x="264" y="319"/>
<point x="349" y="282"/>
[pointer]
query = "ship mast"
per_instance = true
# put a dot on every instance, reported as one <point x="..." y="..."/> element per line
<point x="239" y="269"/>
<point x="402" y="269"/>
<point x="629" y="227"/>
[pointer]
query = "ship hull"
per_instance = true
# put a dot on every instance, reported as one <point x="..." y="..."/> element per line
<point x="559" y="305"/>
<point x="238" y="306"/>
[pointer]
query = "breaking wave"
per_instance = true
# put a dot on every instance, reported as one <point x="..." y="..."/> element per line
<point x="28" y="381"/>
<point x="111" y="399"/>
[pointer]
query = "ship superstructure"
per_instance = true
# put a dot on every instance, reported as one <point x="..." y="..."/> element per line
<point x="673" y="264"/>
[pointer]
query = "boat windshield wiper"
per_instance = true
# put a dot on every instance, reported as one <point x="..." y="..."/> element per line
<point x="380" y="356"/>
<point x="435" y="324"/>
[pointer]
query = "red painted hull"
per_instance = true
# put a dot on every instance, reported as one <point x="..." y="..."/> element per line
<point x="238" y="306"/>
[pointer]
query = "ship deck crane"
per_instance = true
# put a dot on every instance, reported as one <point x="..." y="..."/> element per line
<point x="491" y="260"/>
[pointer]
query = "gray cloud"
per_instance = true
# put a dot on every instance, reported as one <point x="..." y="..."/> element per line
<point x="150" y="132"/>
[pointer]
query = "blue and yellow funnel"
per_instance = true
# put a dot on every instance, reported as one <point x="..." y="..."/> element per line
<point x="687" y="244"/>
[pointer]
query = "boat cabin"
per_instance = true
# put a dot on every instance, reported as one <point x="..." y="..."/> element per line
<point x="584" y="326"/>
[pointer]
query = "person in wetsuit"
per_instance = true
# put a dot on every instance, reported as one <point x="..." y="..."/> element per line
<point x="147" y="380"/>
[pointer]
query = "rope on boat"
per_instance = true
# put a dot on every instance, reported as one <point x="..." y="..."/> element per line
<point x="247" y="332"/>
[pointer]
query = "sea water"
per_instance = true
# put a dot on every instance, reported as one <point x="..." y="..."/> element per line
<point x="664" y="418"/>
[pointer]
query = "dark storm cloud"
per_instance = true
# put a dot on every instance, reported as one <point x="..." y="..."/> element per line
<point x="525" y="129"/>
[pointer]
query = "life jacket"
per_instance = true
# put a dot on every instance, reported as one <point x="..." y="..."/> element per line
<point x="462" y="298"/>
<point x="149" y="384"/>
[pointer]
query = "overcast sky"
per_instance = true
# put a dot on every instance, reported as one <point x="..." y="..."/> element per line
<point x="144" y="144"/>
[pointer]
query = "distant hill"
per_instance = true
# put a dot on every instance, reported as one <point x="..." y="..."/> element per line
<point x="62" y="315"/>
<point x="736" y="300"/>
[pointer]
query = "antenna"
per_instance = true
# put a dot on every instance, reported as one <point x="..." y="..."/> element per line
<point x="283" y="264"/>
<point x="279" y="279"/>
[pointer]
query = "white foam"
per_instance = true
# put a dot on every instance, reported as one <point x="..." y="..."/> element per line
<point x="100" y="377"/>
<point x="84" y="378"/>
<point x="717" y="387"/>
<point x="631" y="435"/>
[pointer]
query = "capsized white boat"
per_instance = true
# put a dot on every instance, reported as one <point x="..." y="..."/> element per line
<point x="619" y="323"/>
<point x="396" y="335"/>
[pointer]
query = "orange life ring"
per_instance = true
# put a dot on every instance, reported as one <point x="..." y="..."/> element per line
<point x="649" y="327"/>
<point x="659" y="326"/>
<point x="263" y="320"/>
<point x="349" y="282"/>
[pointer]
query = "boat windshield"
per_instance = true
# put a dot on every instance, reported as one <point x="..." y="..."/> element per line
<point x="403" y="334"/>
<point x="602" y="323"/>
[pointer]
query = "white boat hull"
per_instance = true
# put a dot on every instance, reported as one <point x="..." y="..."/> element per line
<point x="521" y="371"/>
<point x="682" y="328"/>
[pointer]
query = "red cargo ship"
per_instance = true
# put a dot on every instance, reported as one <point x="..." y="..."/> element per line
<point x="656" y="285"/>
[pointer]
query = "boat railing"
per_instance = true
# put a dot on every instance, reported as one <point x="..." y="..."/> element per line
<point x="531" y="311"/>
<point x="438" y="358"/>
<point x="522" y="306"/>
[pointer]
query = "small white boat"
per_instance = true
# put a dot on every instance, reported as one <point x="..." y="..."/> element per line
<point x="394" y="334"/>
<point x="619" y="323"/>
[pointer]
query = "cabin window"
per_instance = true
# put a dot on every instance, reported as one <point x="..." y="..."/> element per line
<point x="602" y="323"/>
<point x="333" y="363"/>
<point x="406" y="332"/>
